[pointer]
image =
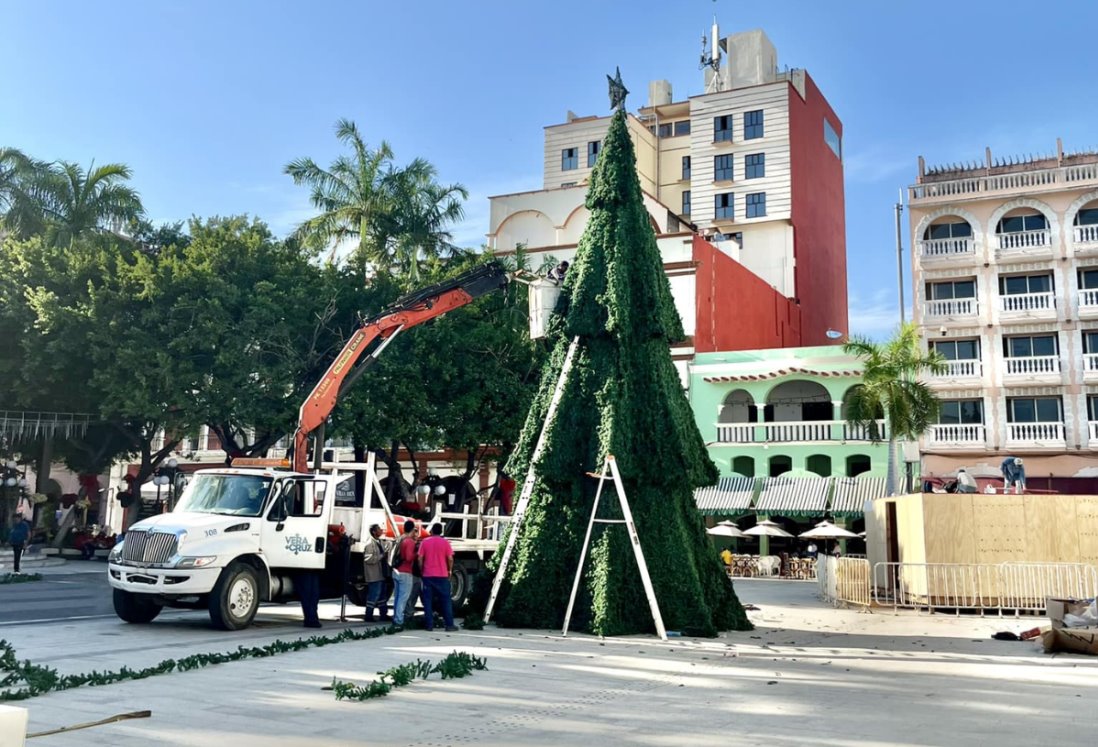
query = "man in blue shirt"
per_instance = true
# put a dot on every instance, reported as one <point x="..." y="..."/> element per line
<point x="20" y="533"/>
<point x="1013" y="474"/>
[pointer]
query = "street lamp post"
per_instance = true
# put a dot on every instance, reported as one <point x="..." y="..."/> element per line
<point x="166" y="475"/>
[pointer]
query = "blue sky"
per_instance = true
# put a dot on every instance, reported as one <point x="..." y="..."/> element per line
<point x="207" y="101"/>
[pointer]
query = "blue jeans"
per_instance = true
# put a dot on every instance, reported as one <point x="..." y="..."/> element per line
<point x="437" y="589"/>
<point x="403" y="583"/>
<point x="373" y="599"/>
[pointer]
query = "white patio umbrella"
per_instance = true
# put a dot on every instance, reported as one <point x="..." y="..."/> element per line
<point x="724" y="530"/>
<point x="767" y="528"/>
<point x="826" y="530"/>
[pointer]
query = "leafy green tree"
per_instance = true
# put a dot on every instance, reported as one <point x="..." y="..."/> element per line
<point x="891" y="387"/>
<point x="391" y="214"/>
<point x="623" y="397"/>
<point x="76" y="201"/>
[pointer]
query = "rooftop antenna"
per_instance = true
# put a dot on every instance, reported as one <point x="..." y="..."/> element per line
<point x="711" y="58"/>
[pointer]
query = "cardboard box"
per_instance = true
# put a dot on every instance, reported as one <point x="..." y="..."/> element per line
<point x="1074" y="640"/>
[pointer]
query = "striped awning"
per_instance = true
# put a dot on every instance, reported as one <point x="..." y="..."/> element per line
<point x="790" y="371"/>
<point x="801" y="496"/>
<point x="851" y="493"/>
<point x="729" y="495"/>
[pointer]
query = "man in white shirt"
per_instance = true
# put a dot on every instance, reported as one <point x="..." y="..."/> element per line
<point x="966" y="483"/>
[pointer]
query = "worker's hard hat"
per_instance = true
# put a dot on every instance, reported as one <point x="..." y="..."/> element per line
<point x="1017" y="460"/>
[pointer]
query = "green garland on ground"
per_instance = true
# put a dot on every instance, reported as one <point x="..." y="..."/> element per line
<point x="623" y="397"/>
<point x="20" y="578"/>
<point x="455" y="665"/>
<point x="20" y="680"/>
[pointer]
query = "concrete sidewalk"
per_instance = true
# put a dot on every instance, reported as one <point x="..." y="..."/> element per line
<point x="809" y="675"/>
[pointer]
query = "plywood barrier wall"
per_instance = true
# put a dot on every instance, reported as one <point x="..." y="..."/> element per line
<point x="987" y="529"/>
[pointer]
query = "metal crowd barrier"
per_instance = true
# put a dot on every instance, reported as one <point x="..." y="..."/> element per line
<point x="844" y="580"/>
<point x="999" y="588"/>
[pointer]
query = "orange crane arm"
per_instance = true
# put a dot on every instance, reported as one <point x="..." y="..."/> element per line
<point x="407" y="312"/>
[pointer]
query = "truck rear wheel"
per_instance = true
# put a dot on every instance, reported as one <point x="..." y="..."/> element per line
<point x="135" y="608"/>
<point x="235" y="598"/>
<point x="459" y="587"/>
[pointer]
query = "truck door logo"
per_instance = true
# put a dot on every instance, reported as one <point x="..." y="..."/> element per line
<point x="296" y="543"/>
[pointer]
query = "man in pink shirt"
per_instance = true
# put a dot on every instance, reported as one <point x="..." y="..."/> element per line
<point x="436" y="558"/>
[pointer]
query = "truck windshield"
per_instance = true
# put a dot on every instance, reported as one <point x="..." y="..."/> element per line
<point x="235" y="495"/>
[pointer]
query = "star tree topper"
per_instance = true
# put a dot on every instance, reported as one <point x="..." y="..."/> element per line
<point x="618" y="91"/>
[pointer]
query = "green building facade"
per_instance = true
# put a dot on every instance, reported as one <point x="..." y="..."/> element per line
<point x="774" y="424"/>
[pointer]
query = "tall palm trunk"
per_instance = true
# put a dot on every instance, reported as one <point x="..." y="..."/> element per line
<point x="890" y="475"/>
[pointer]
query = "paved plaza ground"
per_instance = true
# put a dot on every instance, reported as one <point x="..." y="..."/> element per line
<point x="809" y="675"/>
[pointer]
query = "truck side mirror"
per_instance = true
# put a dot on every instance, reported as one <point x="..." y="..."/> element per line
<point x="278" y="510"/>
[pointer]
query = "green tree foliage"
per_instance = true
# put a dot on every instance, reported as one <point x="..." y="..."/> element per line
<point x="393" y="215"/>
<point x="891" y="388"/>
<point x="623" y="397"/>
<point x="76" y="201"/>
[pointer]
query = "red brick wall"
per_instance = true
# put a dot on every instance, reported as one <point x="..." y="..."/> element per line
<point x="737" y="310"/>
<point x="819" y="222"/>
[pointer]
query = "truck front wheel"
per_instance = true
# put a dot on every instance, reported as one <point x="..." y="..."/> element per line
<point x="235" y="598"/>
<point x="135" y="608"/>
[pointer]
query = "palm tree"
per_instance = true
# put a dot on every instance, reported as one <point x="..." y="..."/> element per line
<point x="21" y="178"/>
<point x="77" y="201"/>
<point x="395" y="215"/>
<point x="891" y="387"/>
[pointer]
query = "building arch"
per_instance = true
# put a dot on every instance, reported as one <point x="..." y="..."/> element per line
<point x="738" y="406"/>
<point x="798" y="400"/>
<point x="1026" y="202"/>
<point x="531" y="227"/>
<point x="820" y="464"/>
<point x="969" y="217"/>
<point x="744" y="465"/>
<point x="1081" y="202"/>
<point x="857" y="464"/>
<point x="779" y="464"/>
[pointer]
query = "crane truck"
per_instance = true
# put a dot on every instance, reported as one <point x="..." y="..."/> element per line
<point x="240" y="534"/>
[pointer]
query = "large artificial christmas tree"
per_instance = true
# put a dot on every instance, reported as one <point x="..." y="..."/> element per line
<point x="622" y="397"/>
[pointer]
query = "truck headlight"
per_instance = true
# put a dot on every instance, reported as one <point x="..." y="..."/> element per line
<point x="196" y="561"/>
<point x="115" y="553"/>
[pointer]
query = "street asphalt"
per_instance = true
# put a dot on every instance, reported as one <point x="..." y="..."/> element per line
<point x="77" y="594"/>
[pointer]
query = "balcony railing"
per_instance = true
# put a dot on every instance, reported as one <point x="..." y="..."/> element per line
<point x="1093" y="431"/>
<point x="1088" y="297"/>
<point x="795" y="431"/>
<point x="960" y="370"/>
<point x="1035" y="432"/>
<point x="957" y="434"/>
<point x="1090" y="362"/>
<point x="1024" y="239"/>
<point x="951" y="307"/>
<point x="934" y="248"/>
<point x="1031" y="365"/>
<point x="1086" y="234"/>
<point x="1037" y="180"/>
<point x="1026" y="302"/>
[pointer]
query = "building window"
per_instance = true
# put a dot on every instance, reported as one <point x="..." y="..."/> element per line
<point x="779" y="465"/>
<point x="567" y="184"/>
<point x="569" y="159"/>
<point x="722" y="168"/>
<point x="1033" y="410"/>
<point x="948" y="231"/>
<point x="686" y="202"/>
<point x="961" y="412"/>
<point x="1092" y="407"/>
<point x="593" y="148"/>
<point x="1087" y="217"/>
<point x="1019" y="223"/>
<point x="951" y="289"/>
<point x="831" y="137"/>
<point x="1088" y="279"/>
<point x="664" y="130"/>
<point x="722" y="129"/>
<point x="744" y="465"/>
<point x="686" y="167"/>
<point x="756" y="205"/>
<point x="722" y="206"/>
<point x="1011" y="285"/>
<point x="1090" y="342"/>
<point x="753" y="125"/>
<point x="958" y="350"/>
<point x="754" y="166"/>
<point x="682" y="128"/>
<point x="1036" y="346"/>
<point x="856" y="464"/>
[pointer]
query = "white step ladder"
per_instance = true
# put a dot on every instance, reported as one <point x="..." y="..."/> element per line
<point x="528" y="484"/>
<point x="610" y="472"/>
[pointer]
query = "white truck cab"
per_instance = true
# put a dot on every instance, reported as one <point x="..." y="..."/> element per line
<point x="239" y="536"/>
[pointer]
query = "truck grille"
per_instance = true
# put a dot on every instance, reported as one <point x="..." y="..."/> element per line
<point x="148" y="547"/>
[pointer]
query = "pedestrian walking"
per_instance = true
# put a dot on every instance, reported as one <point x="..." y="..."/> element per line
<point x="437" y="559"/>
<point x="20" y="535"/>
<point x="373" y="569"/>
<point x="404" y="558"/>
